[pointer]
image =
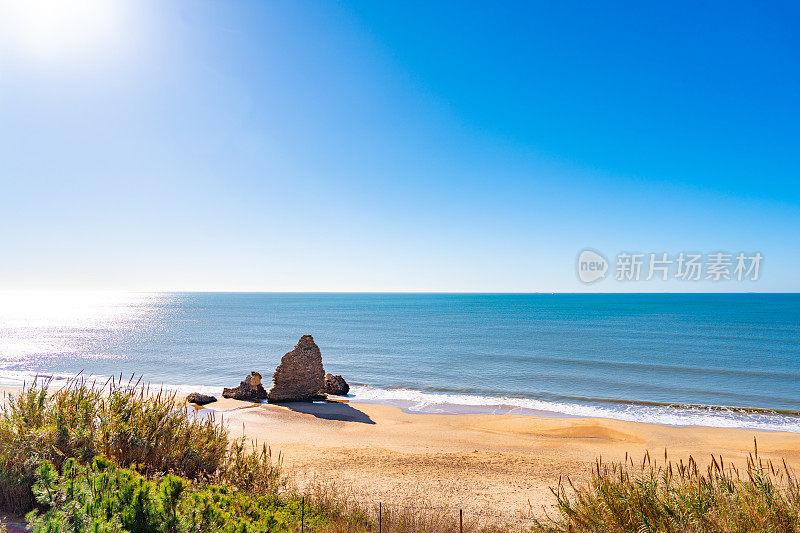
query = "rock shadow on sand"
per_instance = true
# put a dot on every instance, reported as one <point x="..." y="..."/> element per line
<point x="330" y="411"/>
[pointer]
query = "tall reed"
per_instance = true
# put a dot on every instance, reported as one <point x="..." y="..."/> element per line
<point x="680" y="497"/>
<point x="135" y="428"/>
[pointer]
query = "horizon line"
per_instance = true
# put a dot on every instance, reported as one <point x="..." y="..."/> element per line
<point x="177" y="291"/>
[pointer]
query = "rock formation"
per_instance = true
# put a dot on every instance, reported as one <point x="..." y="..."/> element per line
<point x="200" y="399"/>
<point x="300" y="375"/>
<point x="335" y="385"/>
<point x="248" y="390"/>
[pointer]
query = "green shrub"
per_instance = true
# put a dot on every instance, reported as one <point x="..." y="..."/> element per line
<point x="102" y="497"/>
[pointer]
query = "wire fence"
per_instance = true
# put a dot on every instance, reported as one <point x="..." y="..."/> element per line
<point x="381" y="523"/>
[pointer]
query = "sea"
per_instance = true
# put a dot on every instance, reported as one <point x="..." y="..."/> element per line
<point x="720" y="360"/>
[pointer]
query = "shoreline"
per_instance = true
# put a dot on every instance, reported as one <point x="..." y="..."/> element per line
<point x="730" y="415"/>
<point x="422" y="402"/>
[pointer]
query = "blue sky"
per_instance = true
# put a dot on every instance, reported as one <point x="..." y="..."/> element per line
<point x="393" y="146"/>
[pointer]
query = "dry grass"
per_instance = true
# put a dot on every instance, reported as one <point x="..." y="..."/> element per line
<point x="250" y="468"/>
<point x="680" y="497"/>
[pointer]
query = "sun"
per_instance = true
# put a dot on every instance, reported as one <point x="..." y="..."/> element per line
<point x="59" y="29"/>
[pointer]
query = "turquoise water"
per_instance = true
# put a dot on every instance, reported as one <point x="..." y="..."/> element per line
<point x="621" y="356"/>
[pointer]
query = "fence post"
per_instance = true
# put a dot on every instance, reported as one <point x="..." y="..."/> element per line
<point x="302" y="514"/>
<point x="380" y="516"/>
<point x="461" y="520"/>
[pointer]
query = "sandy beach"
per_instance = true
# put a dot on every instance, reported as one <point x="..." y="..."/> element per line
<point x="488" y="465"/>
<point x="496" y="467"/>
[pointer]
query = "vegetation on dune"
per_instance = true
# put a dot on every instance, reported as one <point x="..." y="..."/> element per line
<point x="117" y="458"/>
<point x="124" y="423"/>
<point x="680" y="497"/>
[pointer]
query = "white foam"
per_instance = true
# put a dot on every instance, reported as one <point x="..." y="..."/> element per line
<point x="422" y="402"/>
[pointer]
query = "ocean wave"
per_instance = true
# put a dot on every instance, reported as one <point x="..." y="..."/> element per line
<point x="668" y="415"/>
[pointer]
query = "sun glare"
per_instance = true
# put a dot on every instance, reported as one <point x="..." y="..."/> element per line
<point x="59" y="29"/>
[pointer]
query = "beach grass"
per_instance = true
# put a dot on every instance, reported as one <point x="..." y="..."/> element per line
<point x="125" y="423"/>
<point x="679" y="497"/>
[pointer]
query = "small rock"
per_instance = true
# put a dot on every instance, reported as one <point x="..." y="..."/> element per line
<point x="335" y="385"/>
<point x="200" y="399"/>
<point x="300" y="375"/>
<point x="248" y="390"/>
